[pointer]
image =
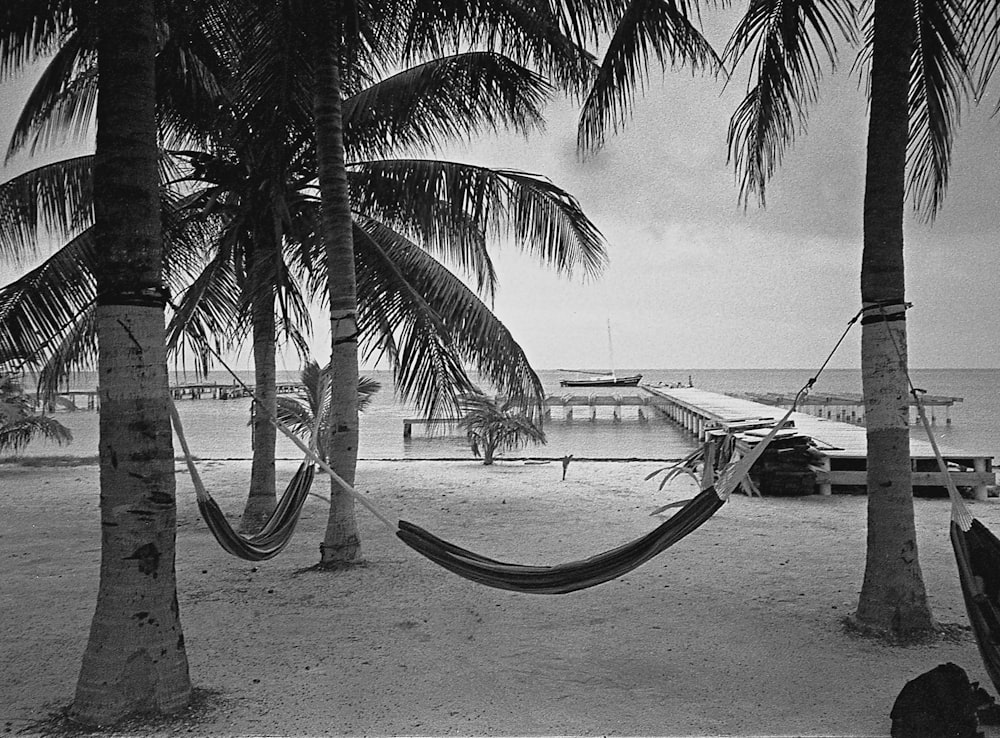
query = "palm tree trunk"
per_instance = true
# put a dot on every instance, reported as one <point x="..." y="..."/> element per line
<point x="135" y="658"/>
<point x="893" y="598"/>
<point x="262" y="498"/>
<point x="341" y="543"/>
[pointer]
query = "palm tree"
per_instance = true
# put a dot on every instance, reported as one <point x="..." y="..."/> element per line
<point x="135" y="657"/>
<point x="919" y="71"/>
<point x="493" y="428"/>
<point x="19" y="423"/>
<point x="442" y="323"/>
<point x="337" y="39"/>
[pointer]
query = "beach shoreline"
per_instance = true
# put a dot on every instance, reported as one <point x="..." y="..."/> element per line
<point x="737" y="630"/>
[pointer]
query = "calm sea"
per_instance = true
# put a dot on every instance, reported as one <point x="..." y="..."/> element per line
<point x="218" y="429"/>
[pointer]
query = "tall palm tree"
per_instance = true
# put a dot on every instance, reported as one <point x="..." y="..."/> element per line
<point x="919" y="70"/>
<point x="919" y="74"/>
<point x="341" y="543"/>
<point x="135" y="657"/>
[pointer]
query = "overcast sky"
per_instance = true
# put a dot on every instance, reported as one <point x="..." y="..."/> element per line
<point x="694" y="281"/>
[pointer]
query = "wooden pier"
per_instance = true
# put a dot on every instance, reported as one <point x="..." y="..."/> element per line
<point x="839" y="449"/>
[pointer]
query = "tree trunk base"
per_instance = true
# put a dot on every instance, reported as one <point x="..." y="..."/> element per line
<point x="341" y="556"/>
<point x="897" y="637"/>
<point x="255" y="514"/>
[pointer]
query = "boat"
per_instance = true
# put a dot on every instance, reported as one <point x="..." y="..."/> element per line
<point x="606" y="380"/>
<point x="603" y="380"/>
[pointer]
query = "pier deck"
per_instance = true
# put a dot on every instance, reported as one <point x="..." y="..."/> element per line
<point x="841" y="447"/>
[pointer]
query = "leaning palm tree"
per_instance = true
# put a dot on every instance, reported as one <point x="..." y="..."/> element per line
<point x="919" y="71"/>
<point x="493" y="428"/>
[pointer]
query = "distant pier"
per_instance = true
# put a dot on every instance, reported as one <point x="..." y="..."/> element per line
<point x="850" y="407"/>
<point x="71" y="400"/>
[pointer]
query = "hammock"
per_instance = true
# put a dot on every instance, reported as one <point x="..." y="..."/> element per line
<point x="277" y="530"/>
<point x="568" y="577"/>
<point x="977" y="554"/>
<point x="603" y="567"/>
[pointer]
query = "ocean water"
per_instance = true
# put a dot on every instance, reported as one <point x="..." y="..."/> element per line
<point x="217" y="429"/>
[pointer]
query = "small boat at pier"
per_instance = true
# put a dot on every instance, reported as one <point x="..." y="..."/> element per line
<point x="603" y="380"/>
<point x="608" y="380"/>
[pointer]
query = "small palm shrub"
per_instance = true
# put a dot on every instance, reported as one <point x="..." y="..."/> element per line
<point x="19" y="423"/>
<point x="299" y="414"/>
<point x="493" y="428"/>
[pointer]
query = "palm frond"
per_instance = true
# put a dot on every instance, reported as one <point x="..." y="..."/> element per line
<point x="659" y="28"/>
<point x="55" y="200"/>
<point x="296" y="416"/>
<point x="395" y="321"/>
<point x="443" y="100"/>
<point x="982" y="38"/>
<point x="62" y="103"/>
<point x="532" y="33"/>
<point x="940" y="80"/>
<point x="45" y="306"/>
<point x="74" y="351"/>
<point x="31" y="30"/>
<point x="206" y="319"/>
<point x="408" y="298"/>
<point x="300" y="413"/>
<point x="14" y="436"/>
<point x="436" y="202"/>
<point x="787" y="68"/>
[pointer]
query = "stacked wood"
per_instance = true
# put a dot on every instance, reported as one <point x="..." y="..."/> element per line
<point x="784" y="469"/>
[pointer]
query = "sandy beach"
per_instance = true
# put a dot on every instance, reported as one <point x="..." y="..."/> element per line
<point x="737" y="630"/>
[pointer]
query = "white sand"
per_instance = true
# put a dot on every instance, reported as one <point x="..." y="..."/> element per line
<point x="736" y="630"/>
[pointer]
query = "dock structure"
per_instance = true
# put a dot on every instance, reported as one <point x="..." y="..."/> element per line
<point x="838" y="449"/>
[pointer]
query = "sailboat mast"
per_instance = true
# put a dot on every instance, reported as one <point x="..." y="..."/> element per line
<point x="611" y="353"/>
